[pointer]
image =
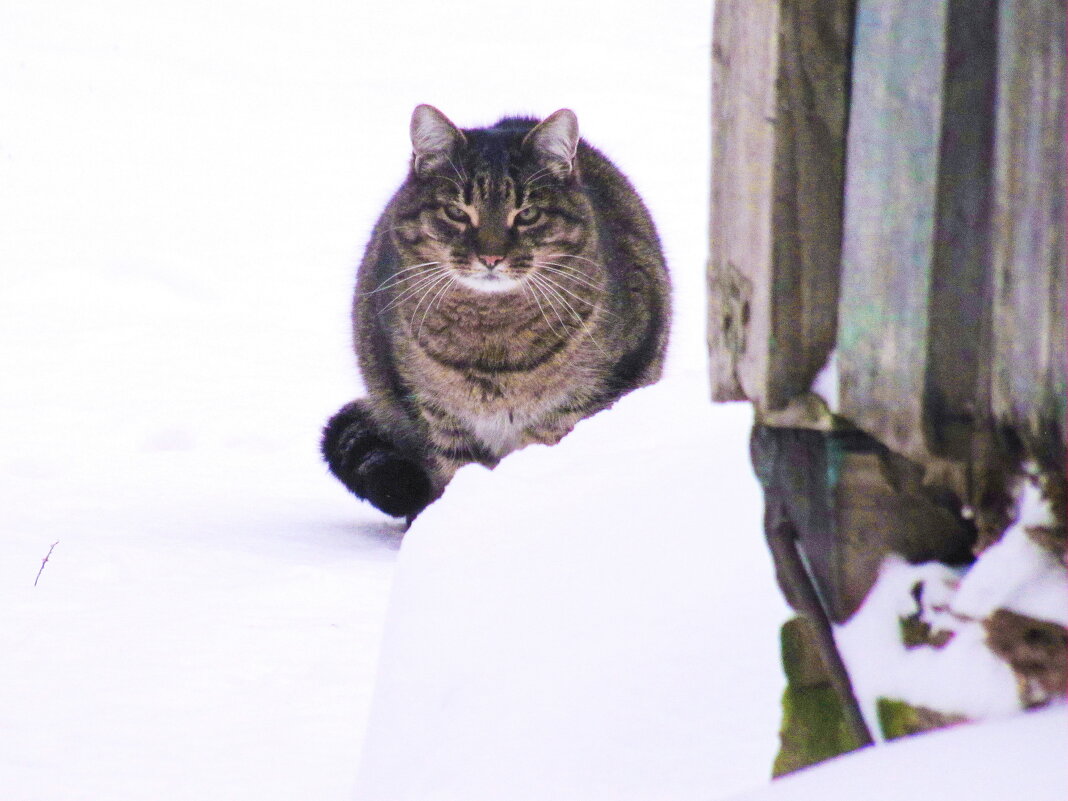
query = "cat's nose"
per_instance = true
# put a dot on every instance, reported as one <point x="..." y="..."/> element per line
<point x="491" y="261"/>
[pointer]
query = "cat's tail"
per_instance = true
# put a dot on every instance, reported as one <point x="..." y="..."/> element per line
<point x="372" y="468"/>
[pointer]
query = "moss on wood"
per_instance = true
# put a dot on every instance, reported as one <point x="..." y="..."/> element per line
<point x="813" y="725"/>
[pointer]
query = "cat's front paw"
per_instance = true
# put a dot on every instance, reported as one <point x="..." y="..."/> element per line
<point x="394" y="484"/>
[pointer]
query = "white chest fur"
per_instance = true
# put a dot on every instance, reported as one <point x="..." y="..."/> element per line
<point x="501" y="432"/>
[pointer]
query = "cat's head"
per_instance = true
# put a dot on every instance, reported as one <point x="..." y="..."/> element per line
<point x="495" y="205"/>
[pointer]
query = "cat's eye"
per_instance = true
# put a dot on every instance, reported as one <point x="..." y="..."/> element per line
<point x="455" y="213"/>
<point x="528" y="216"/>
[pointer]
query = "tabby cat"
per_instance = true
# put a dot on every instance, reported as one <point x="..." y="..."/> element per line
<point x="513" y="285"/>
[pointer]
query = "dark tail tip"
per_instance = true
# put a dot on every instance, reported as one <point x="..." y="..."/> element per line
<point x="371" y="467"/>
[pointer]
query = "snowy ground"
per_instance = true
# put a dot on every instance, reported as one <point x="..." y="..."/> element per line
<point x="185" y="190"/>
<point x="612" y="634"/>
<point x="1015" y="758"/>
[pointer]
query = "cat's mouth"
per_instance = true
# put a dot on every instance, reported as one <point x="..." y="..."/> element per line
<point x="489" y="279"/>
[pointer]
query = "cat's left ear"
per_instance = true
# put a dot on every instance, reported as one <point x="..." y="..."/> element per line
<point x="555" y="141"/>
<point x="434" y="139"/>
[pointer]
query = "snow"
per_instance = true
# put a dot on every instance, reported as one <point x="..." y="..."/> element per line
<point x="1016" y="573"/>
<point x="185" y="190"/>
<point x="1021" y="757"/>
<point x="592" y="633"/>
<point x="963" y="678"/>
<point x="825" y="384"/>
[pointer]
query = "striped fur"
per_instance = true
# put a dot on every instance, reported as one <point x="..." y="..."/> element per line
<point x="513" y="286"/>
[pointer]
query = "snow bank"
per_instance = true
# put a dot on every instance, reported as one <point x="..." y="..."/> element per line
<point x="1017" y="758"/>
<point x="594" y="620"/>
<point x="184" y="196"/>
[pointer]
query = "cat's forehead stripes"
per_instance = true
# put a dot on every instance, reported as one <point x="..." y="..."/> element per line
<point x="493" y="189"/>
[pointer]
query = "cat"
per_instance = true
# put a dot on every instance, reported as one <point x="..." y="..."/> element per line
<point x="514" y="285"/>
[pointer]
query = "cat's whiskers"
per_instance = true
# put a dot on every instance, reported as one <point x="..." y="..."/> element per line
<point x="532" y="287"/>
<point x="449" y="284"/>
<point x="541" y="183"/>
<point x="459" y="174"/>
<point x="395" y="279"/>
<point x="577" y="277"/>
<point x="566" y="291"/>
<point x="573" y="256"/>
<point x="555" y="310"/>
<point x="563" y="270"/>
<point x="419" y="279"/>
<point x="427" y="290"/>
<point x="542" y="173"/>
<point x="423" y="281"/>
<point x="547" y="285"/>
<point x="551" y="287"/>
<point x="546" y="290"/>
<point x="545" y="170"/>
<point x="459" y="187"/>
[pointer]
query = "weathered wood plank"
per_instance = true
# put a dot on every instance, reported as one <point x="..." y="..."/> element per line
<point x="891" y="183"/>
<point x="779" y="96"/>
<point x="744" y="67"/>
<point x="1028" y="382"/>
<point x="959" y="308"/>
<point x="811" y="117"/>
<point x="891" y="207"/>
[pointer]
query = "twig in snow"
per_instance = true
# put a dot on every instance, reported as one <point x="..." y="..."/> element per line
<point x="45" y="562"/>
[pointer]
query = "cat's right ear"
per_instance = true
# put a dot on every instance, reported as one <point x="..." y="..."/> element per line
<point x="434" y="140"/>
<point x="554" y="141"/>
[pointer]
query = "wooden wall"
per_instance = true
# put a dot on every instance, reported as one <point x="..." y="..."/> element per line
<point x="888" y="187"/>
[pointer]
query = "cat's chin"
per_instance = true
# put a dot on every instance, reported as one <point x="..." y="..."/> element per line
<point x="490" y="283"/>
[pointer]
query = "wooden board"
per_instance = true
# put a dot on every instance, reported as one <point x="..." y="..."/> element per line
<point x="958" y="347"/>
<point x="891" y="191"/>
<point x="744" y="67"/>
<point x="1028" y="382"/>
<point x="915" y="265"/>
<point x="779" y="102"/>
